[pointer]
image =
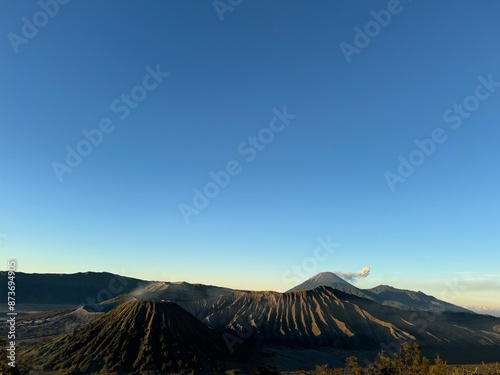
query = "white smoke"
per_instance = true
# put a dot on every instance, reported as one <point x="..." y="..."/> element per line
<point x="352" y="276"/>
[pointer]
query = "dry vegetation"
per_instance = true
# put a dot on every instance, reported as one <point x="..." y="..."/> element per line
<point x="408" y="362"/>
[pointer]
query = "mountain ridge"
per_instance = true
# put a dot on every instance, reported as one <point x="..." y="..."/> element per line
<point x="383" y="294"/>
<point x="91" y="288"/>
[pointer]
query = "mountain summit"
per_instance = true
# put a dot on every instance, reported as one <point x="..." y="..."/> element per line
<point x="331" y="280"/>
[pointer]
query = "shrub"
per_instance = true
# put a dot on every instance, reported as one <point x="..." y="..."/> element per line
<point x="440" y="367"/>
<point x="325" y="370"/>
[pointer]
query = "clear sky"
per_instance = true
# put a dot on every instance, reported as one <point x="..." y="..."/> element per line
<point x="333" y="96"/>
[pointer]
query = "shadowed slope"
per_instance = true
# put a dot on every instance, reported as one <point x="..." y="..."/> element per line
<point x="71" y="289"/>
<point x="437" y="329"/>
<point x="315" y="317"/>
<point x="409" y="299"/>
<point x="138" y="337"/>
<point x="326" y="316"/>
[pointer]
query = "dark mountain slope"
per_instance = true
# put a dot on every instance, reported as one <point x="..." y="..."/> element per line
<point x="138" y="337"/>
<point x="408" y="299"/>
<point x="316" y="317"/>
<point x="76" y="288"/>
<point x="327" y="316"/>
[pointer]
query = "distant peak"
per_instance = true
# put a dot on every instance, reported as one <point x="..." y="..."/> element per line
<point x="322" y="279"/>
<point x="328" y="276"/>
<point x="326" y="273"/>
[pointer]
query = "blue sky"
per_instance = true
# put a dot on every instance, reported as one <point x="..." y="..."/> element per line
<point x="324" y="174"/>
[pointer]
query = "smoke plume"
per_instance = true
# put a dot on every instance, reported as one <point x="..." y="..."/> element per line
<point x="352" y="276"/>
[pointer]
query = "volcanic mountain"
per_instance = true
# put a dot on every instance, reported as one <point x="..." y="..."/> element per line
<point x="383" y="294"/>
<point x="178" y="291"/>
<point x="409" y="299"/>
<point x="138" y="337"/>
<point x="327" y="316"/>
<point x="151" y="337"/>
<point x="331" y="280"/>
<point x="316" y="317"/>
